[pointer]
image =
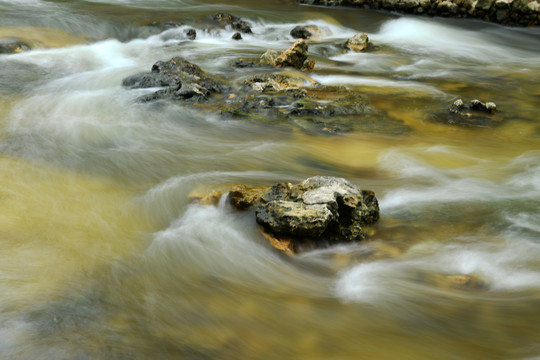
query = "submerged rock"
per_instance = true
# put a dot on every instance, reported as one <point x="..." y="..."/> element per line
<point x="272" y="82"/>
<point x="310" y="32"/>
<point x="13" y="46"/>
<point x="318" y="212"/>
<point x="466" y="282"/>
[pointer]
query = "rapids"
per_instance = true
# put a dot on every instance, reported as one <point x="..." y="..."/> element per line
<point x="103" y="257"/>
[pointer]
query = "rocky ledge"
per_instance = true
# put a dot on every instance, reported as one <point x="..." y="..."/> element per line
<point x="316" y="213"/>
<point x="506" y="12"/>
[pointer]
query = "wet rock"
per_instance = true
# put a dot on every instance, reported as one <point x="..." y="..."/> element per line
<point x="191" y="34"/>
<point x="182" y="79"/>
<point x="296" y="56"/>
<point x="310" y="32"/>
<point x="13" y="46"/>
<point x="242" y="197"/>
<point x="358" y="42"/>
<point x="316" y="213"/>
<point x="272" y="82"/>
<point x="478" y="105"/>
<point x="286" y="99"/>
<point x="320" y="211"/>
<point x="473" y="114"/>
<point x="237" y="36"/>
<point x="226" y="19"/>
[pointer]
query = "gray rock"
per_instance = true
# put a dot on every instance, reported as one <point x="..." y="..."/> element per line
<point x="181" y="79"/>
<point x="289" y="218"/>
<point x="321" y="209"/>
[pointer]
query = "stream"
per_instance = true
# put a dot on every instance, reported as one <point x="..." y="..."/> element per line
<point x="103" y="256"/>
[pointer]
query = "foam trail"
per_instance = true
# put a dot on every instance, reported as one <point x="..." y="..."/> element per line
<point x="427" y="37"/>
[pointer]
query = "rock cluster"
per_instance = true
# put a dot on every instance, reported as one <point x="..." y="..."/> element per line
<point x="318" y="212"/>
<point x="265" y="97"/>
<point x="506" y="12"/>
<point x="226" y="19"/>
<point x="281" y="93"/>
<point x="475" y="113"/>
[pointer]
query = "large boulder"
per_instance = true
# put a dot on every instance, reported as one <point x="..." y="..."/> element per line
<point x="319" y="211"/>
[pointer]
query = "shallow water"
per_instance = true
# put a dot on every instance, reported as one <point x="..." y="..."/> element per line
<point x="103" y="257"/>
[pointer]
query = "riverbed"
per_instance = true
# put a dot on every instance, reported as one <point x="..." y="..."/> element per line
<point x="102" y="255"/>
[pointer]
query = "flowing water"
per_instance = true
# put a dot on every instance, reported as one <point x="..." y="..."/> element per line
<point x="103" y="257"/>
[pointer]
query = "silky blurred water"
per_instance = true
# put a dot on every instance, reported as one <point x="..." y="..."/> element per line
<point x="103" y="257"/>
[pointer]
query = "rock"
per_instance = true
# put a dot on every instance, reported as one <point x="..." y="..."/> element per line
<point x="316" y="213"/>
<point x="226" y="19"/>
<point x="321" y="210"/>
<point x="289" y="218"/>
<point x="474" y="114"/>
<point x="484" y="107"/>
<point x="191" y="34"/>
<point x="296" y="56"/>
<point x="269" y="57"/>
<point x="272" y="82"/>
<point x="183" y="81"/>
<point x="242" y="197"/>
<point x="13" y="46"/>
<point x="310" y="32"/>
<point x="476" y="105"/>
<point x="358" y="42"/>
<point x="237" y="36"/>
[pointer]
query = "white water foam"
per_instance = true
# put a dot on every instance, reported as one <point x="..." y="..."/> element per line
<point x="505" y="265"/>
<point x="435" y="185"/>
<point x="215" y="241"/>
<point x="377" y="82"/>
<point x="423" y="36"/>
